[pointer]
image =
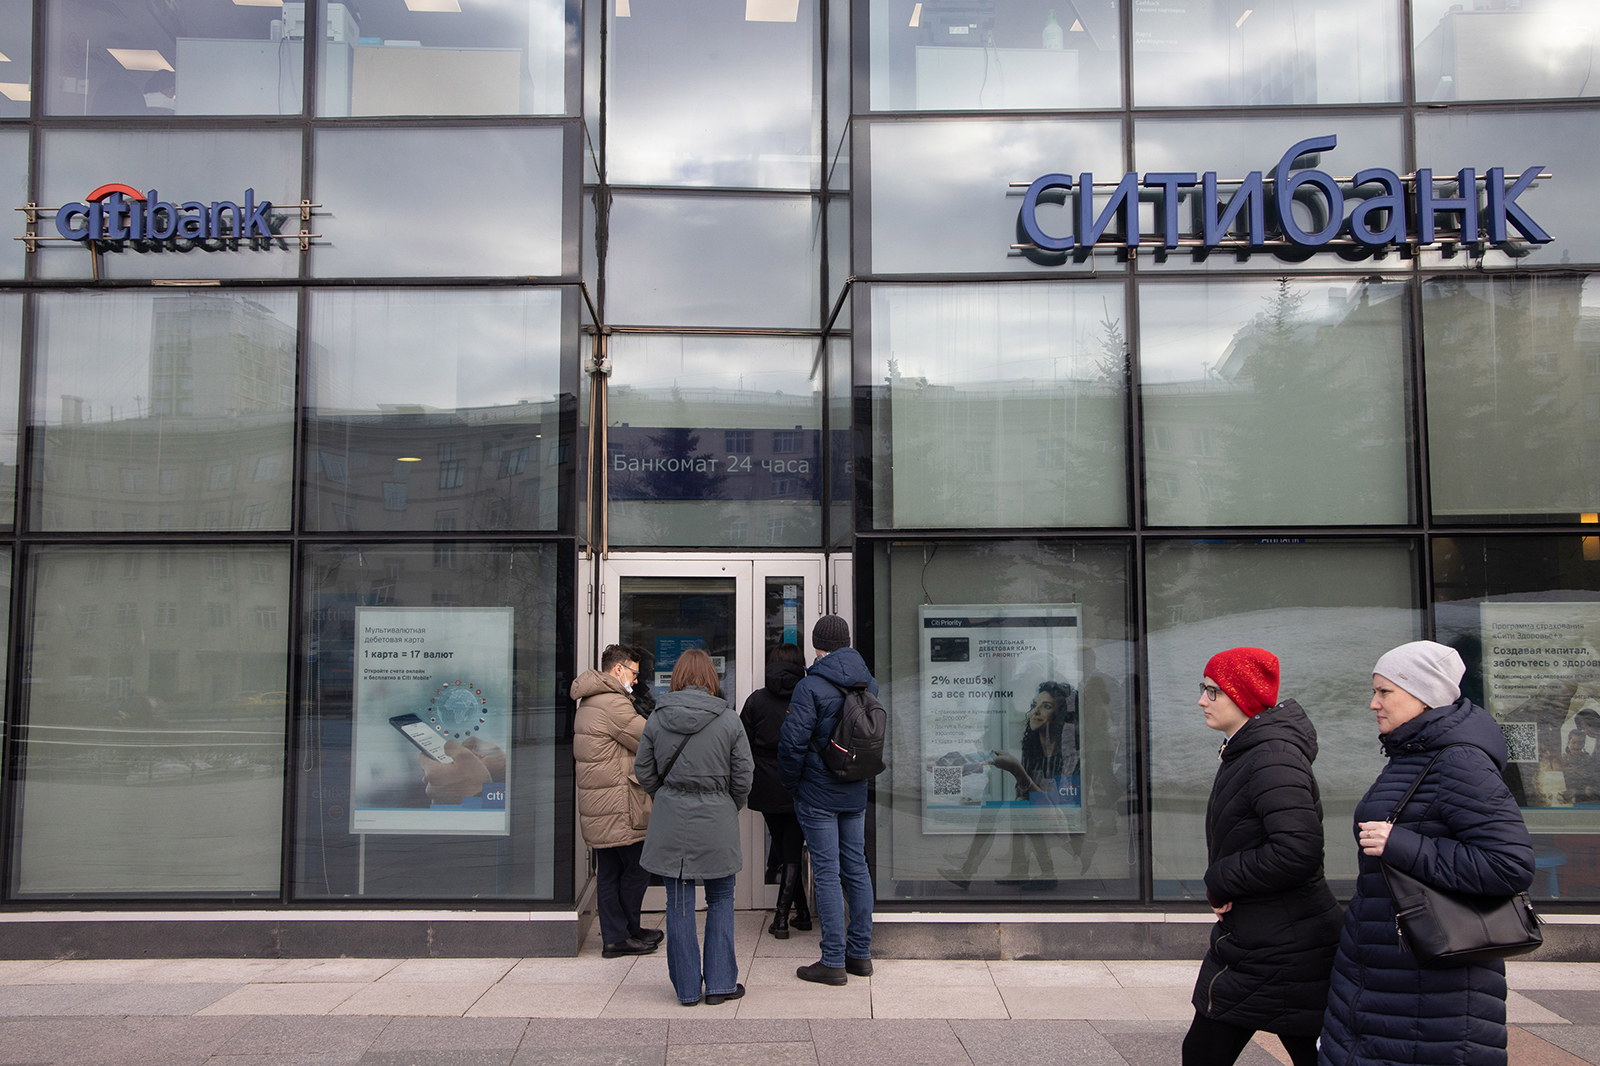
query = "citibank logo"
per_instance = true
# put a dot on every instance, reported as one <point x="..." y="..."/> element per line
<point x="117" y="217"/>
<point x="1386" y="209"/>
<point x="118" y="212"/>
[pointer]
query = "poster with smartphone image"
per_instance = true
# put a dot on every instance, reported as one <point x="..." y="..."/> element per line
<point x="431" y="750"/>
<point x="1001" y="731"/>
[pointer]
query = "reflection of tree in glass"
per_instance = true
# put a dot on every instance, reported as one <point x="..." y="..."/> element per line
<point x="1505" y="355"/>
<point x="1307" y="433"/>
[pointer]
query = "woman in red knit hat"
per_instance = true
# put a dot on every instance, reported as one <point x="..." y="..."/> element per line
<point x="1277" y="922"/>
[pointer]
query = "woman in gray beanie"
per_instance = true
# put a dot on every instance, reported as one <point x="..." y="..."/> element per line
<point x="1462" y="831"/>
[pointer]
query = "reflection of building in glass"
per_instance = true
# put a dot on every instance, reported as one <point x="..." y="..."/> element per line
<point x="209" y="445"/>
<point x="417" y="467"/>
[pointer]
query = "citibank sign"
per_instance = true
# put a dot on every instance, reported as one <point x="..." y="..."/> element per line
<point x="1384" y="209"/>
<point x="118" y="218"/>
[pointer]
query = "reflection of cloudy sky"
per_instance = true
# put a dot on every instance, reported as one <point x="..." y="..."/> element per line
<point x="976" y="334"/>
<point x="699" y="96"/>
<point x="740" y="368"/>
<point x="940" y="195"/>
<point x="13" y="191"/>
<point x="441" y="349"/>
<point x="474" y="202"/>
<point x="1186" y="327"/>
<point x="1544" y="49"/>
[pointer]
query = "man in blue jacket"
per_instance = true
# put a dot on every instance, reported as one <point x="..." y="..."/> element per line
<point x="832" y="813"/>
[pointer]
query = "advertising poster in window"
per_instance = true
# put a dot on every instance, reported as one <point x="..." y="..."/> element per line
<point x="1541" y="681"/>
<point x="1001" y="732"/>
<point x="432" y="749"/>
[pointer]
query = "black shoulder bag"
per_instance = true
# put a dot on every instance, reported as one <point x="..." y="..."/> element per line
<point x="1444" y="928"/>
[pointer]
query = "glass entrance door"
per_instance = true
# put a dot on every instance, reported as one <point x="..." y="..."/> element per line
<point x="735" y="609"/>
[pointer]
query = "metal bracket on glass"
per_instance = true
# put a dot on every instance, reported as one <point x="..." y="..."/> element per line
<point x="30" y="233"/>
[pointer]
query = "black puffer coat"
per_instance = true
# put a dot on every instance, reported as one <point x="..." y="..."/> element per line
<point x="763" y="716"/>
<point x="1462" y="831"/>
<point x="1268" y="965"/>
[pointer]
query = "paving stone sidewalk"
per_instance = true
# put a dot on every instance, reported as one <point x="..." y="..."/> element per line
<point x="590" y="1011"/>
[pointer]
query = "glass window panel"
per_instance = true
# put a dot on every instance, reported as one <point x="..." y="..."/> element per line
<point x="1274" y="402"/>
<point x="988" y="845"/>
<point x="940" y="196"/>
<point x="714" y="441"/>
<point x="352" y="756"/>
<point x="999" y="405"/>
<point x="184" y="57"/>
<point x="472" y="213"/>
<point x="1234" y="147"/>
<point x="718" y="92"/>
<point x="1201" y="54"/>
<point x="199" y="166"/>
<point x="838" y="249"/>
<point x="13" y="193"/>
<point x="841" y="464"/>
<point x="713" y="261"/>
<point x="10" y="401"/>
<point x="5" y="631"/>
<point x="435" y="410"/>
<point x="1504" y="51"/>
<point x="1501" y="602"/>
<point x="16" y="58"/>
<point x="481" y="57"/>
<point x="152" y="762"/>
<point x="1559" y="141"/>
<point x="170" y="411"/>
<point x="995" y="57"/>
<point x="1513" y="383"/>
<point x="840" y="60"/>
<point x="1327" y="610"/>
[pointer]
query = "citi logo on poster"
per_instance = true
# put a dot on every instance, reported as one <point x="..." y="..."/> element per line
<point x="118" y="212"/>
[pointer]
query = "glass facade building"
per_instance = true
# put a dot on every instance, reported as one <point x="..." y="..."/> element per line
<point x="367" y="368"/>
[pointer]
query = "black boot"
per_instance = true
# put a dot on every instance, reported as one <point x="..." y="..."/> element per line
<point x="802" y="909"/>
<point x="780" y="915"/>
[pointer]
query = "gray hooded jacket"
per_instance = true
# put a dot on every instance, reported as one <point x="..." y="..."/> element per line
<point x="694" y="828"/>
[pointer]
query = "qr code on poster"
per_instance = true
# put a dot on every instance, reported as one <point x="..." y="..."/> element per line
<point x="947" y="780"/>
<point x="1522" y="740"/>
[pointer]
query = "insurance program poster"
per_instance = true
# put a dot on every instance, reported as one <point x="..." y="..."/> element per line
<point x="1001" y="731"/>
<point x="432" y="750"/>
<point x="1541" y="681"/>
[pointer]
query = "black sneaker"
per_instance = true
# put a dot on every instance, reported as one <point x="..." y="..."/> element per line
<point x="713" y="998"/>
<point x="650" y="936"/>
<point x="858" y="967"/>
<point x="822" y="974"/>
<point x="630" y="946"/>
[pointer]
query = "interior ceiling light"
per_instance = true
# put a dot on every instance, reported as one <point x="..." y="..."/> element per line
<point x="15" y="90"/>
<point x="140" y="59"/>
<point x="259" y="3"/>
<point x="4" y="58"/>
<point x="408" y="459"/>
<point x="916" y="16"/>
<point x="623" y="10"/>
<point x="1247" y="13"/>
<point x="430" y="5"/>
<point x="771" y="10"/>
<point x="1077" y="27"/>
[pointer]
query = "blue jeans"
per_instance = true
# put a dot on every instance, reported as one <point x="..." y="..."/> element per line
<point x="721" y="974"/>
<point x="838" y="844"/>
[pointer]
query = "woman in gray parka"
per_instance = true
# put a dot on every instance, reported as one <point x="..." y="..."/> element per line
<point x="694" y="759"/>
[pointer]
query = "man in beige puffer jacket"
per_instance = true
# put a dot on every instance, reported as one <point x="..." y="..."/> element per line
<point x="613" y="811"/>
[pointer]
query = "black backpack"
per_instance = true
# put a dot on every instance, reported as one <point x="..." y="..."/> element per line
<point x="855" y="750"/>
